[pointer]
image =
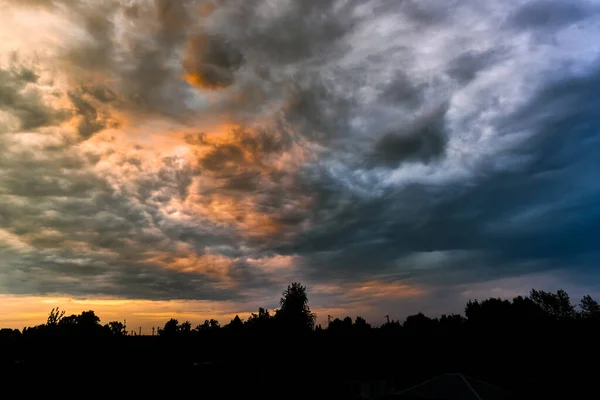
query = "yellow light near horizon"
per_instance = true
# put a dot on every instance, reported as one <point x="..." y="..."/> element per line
<point x="25" y="311"/>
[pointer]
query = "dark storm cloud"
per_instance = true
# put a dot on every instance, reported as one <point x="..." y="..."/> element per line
<point x="538" y="218"/>
<point x="296" y="31"/>
<point x="174" y="18"/>
<point x="427" y="13"/>
<point x="24" y="101"/>
<point x="227" y="155"/>
<point x="150" y="79"/>
<point x="22" y="96"/>
<point x="147" y="76"/>
<point x="246" y="182"/>
<point x="316" y="112"/>
<point x="91" y="120"/>
<point x="465" y="67"/>
<point x="551" y="15"/>
<point x="97" y="52"/>
<point x="269" y="57"/>
<point x="151" y="76"/>
<point x="75" y="273"/>
<point x="264" y="141"/>
<point x="402" y="91"/>
<point x="242" y="162"/>
<point x="101" y="93"/>
<point x="211" y="63"/>
<point x="424" y="141"/>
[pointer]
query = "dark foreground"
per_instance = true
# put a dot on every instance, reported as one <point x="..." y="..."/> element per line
<point x="554" y="365"/>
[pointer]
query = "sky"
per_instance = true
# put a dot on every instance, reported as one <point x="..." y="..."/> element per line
<point x="191" y="158"/>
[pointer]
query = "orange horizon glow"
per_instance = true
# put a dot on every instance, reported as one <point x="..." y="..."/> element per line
<point x="358" y="299"/>
<point x="27" y="311"/>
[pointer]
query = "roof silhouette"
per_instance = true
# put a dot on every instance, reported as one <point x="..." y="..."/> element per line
<point x="454" y="387"/>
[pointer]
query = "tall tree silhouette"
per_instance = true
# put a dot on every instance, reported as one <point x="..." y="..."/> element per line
<point x="170" y="329"/>
<point x="557" y="305"/>
<point x="55" y="316"/>
<point x="590" y="309"/>
<point x="294" y="313"/>
<point x="88" y="320"/>
<point x="236" y="324"/>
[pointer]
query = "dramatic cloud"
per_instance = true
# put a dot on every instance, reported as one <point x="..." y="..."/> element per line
<point x="393" y="156"/>
<point x="210" y="63"/>
<point x="424" y="140"/>
<point x="23" y="101"/>
<point x="551" y="15"/>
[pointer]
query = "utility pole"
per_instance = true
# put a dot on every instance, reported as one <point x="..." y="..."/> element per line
<point x="152" y="331"/>
<point x="328" y="319"/>
<point x="388" y="318"/>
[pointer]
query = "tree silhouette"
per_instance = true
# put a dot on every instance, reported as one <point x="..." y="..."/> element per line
<point x="185" y="327"/>
<point x="494" y="331"/>
<point x="85" y="324"/>
<point x="55" y="316"/>
<point x="7" y="333"/>
<point x="451" y="324"/>
<point x="88" y="320"/>
<point x="236" y="324"/>
<point x="117" y="328"/>
<point x="341" y="326"/>
<point x="208" y="326"/>
<point x="68" y="321"/>
<point x="419" y="324"/>
<point x="170" y="329"/>
<point x="202" y="327"/>
<point x="557" y="305"/>
<point x="261" y="322"/>
<point x="294" y="313"/>
<point x="391" y="327"/>
<point x="491" y="313"/>
<point x="361" y="325"/>
<point x="526" y="311"/>
<point x="590" y="309"/>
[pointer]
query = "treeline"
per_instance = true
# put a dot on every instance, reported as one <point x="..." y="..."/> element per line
<point x="529" y="344"/>
<point x="537" y="311"/>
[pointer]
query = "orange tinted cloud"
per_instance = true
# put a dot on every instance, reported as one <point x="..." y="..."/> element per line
<point x="185" y="259"/>
<point x="210" y="63"/>
<point x="371" y="290"/>
<point x="207" y="8"/>
<point x="235" y="168"/>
